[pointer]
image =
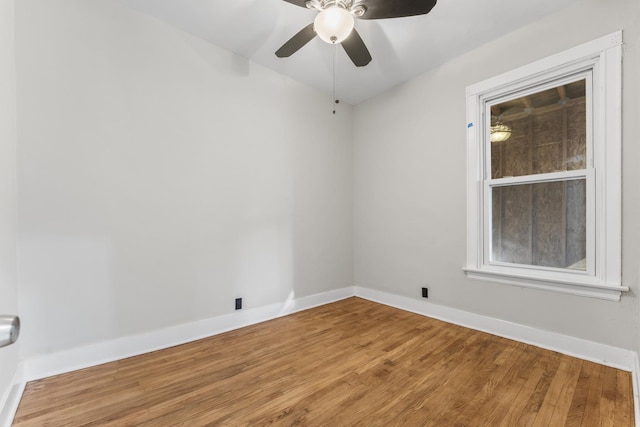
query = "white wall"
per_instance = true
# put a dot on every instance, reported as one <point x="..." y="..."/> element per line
<point x="161" y="177"/>
<point x="410" y="194"/>
<point x="8" y="222"/>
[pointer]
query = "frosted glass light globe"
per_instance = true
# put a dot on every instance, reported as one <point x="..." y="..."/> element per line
<point x="500" y="132"/>
<point x="334" y="24"/>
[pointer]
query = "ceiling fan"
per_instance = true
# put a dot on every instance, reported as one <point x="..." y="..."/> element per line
<point x="335" y="23"/>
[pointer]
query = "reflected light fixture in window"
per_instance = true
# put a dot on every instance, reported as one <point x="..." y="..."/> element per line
<point x="333" y="24"/>
<point x="500" y="132"/>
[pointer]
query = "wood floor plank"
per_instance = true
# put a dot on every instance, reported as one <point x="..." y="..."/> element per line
<point x="457" y="390"/>
<point x="353" y="362"/>
<point x="592" y="411"/>
<point x="557" y="402"/>
<point x="517" y="413"/>
<point x="502" y="390"/>
<point x="623" y="413"/>
<point x="608" y="400"/>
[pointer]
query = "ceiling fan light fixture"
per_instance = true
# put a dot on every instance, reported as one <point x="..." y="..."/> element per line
<point x="334" y="24"/>
<point x="358" y="10"/>
<point x="314" y="4"/>
<point x="500" y="132"/>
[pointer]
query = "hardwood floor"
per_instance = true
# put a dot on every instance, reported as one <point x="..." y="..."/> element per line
<point x="353" y="362"/>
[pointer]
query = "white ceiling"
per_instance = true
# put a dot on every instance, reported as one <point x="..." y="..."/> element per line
<point x="401" y="48"/>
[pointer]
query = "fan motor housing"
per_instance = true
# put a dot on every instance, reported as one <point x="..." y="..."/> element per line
<point x="352" y="6"/>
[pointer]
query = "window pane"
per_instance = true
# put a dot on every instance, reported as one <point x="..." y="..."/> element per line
<point x="540" y="224"/>
<point x="548" y="132"/>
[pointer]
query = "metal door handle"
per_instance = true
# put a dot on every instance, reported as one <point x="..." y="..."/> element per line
<point x="9" y="329"/>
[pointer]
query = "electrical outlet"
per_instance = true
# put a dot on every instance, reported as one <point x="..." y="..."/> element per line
<point x="425" y="292"/>
<point x="238" y="303"/>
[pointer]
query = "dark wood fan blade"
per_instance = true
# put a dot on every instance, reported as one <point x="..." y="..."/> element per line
<point x="356" y="49"/>
<point x="296" y="42"/>
<point x="383" y="9"/>
<point x="301" y="3"/>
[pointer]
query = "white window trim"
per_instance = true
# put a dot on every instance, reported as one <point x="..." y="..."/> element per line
<point x="604" y="56"/>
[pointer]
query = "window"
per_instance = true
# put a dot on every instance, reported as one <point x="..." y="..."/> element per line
<point x="544" y="173"/>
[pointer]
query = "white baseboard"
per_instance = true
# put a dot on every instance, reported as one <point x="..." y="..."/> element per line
<point x="11" y="401"/>
<point x="120" y="348"/>
<point x="600" y="353"/>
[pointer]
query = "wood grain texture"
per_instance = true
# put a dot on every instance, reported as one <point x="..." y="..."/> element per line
<point x="353" y="362"/>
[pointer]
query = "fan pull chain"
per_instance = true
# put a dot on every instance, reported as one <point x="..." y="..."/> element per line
<point x="335" y="54"/>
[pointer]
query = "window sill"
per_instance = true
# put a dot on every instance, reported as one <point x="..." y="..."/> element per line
<point x="585" y="287"/>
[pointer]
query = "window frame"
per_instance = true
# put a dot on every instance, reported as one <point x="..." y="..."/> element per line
<point x="599" y="61"/>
